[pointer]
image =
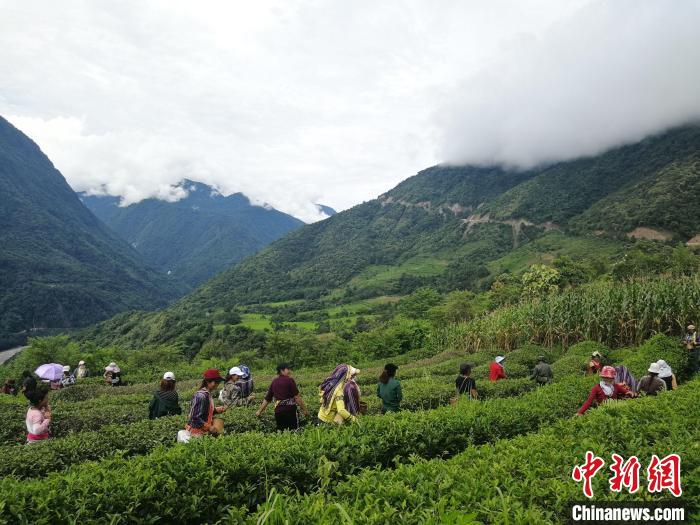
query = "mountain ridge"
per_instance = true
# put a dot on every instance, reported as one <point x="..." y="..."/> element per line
<point x="60" y="266"/>
<point x="196" y="236"/>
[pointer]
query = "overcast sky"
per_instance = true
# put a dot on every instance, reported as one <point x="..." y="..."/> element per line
<point x="296" y="102"/>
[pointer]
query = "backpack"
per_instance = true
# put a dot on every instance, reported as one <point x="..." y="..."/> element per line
<point x="245" y="370"/>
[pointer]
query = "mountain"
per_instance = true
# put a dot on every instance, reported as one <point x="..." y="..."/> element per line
<point x="455" y="227"/>
<point x="59" y="265"/>
<point x="196" y="237"/>
<point x="462" y="217"/>
<point x="326" y="210"/>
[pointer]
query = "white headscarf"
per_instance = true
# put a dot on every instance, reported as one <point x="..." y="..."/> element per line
<point x="608" y="388"/>
<point x="664" y="369"/>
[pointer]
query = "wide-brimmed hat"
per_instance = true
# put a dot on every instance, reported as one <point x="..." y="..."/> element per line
<point x="654" y="368"/>
<point x="664" y="368"/>
<point x="66" y="368"/>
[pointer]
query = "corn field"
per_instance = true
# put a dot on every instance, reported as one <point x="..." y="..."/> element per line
<point x="616" y="314"/>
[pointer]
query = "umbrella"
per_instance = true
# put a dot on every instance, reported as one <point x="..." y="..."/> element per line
<point x="50" y="371"/>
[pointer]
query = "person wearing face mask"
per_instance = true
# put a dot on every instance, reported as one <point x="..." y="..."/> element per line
<point x="605" y="390"/>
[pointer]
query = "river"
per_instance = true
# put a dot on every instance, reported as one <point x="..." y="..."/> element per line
<point x="6" y="354"/>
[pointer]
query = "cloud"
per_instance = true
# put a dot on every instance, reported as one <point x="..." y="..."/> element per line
<point x="611" y="73"/>
<point x="296" y="102"/>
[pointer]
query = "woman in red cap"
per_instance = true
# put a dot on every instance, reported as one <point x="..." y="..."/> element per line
<point x="606" y="389"/>
<point x="202" y="408"/>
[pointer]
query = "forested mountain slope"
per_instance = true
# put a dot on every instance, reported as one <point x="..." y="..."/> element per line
<point x="59" y="265"/>
<point x="196" y="237"/>
<point x="467" y="216"/>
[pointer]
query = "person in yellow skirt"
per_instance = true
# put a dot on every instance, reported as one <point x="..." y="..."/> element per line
<point x="337" y="401"/>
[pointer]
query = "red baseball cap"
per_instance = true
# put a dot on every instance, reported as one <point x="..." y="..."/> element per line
<point x="213" y="375"/>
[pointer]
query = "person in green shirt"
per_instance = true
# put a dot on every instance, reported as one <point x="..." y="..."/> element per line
<point x="165" y="401"/>
<point x="389" y="389"/>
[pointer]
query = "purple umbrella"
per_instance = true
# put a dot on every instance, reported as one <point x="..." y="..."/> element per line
<point x="50" y="372"/>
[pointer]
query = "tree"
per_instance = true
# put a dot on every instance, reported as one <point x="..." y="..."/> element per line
<point x="540" y="280"/>
<point x="463" y="275"/>
<point x="456" y="308"/>
<point x="572" y="273"/>
<point x="506" y="289"/>
<point x="228" y="316"/>
<point x="416" y="305"/>
<point x="362" y="324"/>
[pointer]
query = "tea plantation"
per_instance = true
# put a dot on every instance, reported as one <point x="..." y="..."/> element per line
<point x="506" y="458"/>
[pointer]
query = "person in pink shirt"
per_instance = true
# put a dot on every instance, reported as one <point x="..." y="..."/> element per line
<point x="38" y="415"/>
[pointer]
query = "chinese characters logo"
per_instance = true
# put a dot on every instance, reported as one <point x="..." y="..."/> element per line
<point x="662" y="474"/>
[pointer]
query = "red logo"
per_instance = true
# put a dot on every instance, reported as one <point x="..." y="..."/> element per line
<point x="625" y="474"/>
<point x="662" y="474"/>
<point x="586" y="472"/>
<point x="665" y="474"/>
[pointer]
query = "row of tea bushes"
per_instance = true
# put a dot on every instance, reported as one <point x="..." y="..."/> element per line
<point x="184" y="483"/>
<point x="521" y="480"/>
<point x="142" y="436"/>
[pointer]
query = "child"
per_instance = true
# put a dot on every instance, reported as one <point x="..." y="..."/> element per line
<point x="38" y="415"/>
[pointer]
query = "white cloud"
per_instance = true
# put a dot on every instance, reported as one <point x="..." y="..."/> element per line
<point x="298" y="102"/>
<point x="612" y="73"/>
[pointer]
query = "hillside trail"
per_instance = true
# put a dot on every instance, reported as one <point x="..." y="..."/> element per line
<point x="6" y="354"/>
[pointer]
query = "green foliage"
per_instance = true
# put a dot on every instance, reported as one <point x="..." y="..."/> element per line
<point x="446" y="228"/>
<point x="505" y="290"/>
<point x="540" y="281"/>
<point x="416" y="305"/>
<point x="533" y="472"/>
<point x="616" y="314"/>
<point x="658" y="347"/>
<point x="650" y="258"/>
<point x="661" y="196"/>
<point x="277" y="460"/>
<point x="592" y="186"/>
<point x="573" y="273"/>
<point x="456" y="307"/>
